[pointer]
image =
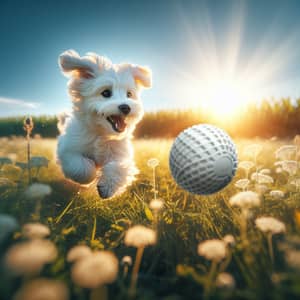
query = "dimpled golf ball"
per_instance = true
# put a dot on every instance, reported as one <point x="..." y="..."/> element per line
<point x="203" y="159"/>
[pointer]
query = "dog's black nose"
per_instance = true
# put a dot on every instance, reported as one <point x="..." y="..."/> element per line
<point x="124" y="108"/>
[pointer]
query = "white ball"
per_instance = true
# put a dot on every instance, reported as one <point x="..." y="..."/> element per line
<point x="203" y="159"/>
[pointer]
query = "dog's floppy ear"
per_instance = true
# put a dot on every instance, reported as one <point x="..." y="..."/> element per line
<point x="72" y="64"/>
<point x="142" y="76"/>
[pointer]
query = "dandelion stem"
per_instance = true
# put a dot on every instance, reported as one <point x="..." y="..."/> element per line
<point x="209" y="281"/>
<point x="94" y="229"/>
<point x="243" y="223"/>
<point x="154" y="183"/>
<point x="64" y="211"/>
<point x="270" y="246"/>
<point x="136" y="267"/>
<point x="28" y="156"/>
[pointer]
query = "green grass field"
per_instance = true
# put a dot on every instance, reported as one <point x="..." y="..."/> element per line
<point x="263" y="266"/>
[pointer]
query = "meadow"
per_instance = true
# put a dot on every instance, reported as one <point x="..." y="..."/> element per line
<point x="191" y="247"/>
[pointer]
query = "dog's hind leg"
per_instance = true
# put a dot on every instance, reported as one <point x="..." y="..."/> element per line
<point x="78" y="168"/>
<point x="116" y="175"/>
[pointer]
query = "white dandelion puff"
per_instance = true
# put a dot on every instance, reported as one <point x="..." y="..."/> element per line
<point x="265" y="171"/>
<point x="246" y="165"/>
<point x="43" y="289"/>
<point x="39" y="161"/>
<point x="38" y="191"/>
<point x="8" y="225"/>
<point x="156" y="205"/>
<point x="78" y="252"/>
<point x="261" y="178"/>
<point x="225" y="280"/>
<point x="153" y="162"/>
<point x="245" y="199"/>
<point x="213" y="249"/>
<point x="126" y="260"/>
<point x="270" y="224"/>
<point x="242" y="183"/>
<point x="30" y="257"/>
<point x="285" y="152"/>
<point x="229" y="239"/>
<point x="277" y="194"/>
<point x="290" y="166"/>
<point x="278" y="170"/>
<point x="95" y="270"/>
<point x="140" y="236"/>
<point x="35" y="231"/>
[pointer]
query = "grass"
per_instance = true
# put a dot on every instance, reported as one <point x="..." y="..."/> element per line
<point x="171" y="269"/>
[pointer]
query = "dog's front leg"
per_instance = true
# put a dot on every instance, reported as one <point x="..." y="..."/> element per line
<point x="116" y="175"/>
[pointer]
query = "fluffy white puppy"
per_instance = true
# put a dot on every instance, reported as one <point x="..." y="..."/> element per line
<point x="95" y="140"/>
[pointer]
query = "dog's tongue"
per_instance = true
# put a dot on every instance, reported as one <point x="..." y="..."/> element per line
<point x="119" y="123"/>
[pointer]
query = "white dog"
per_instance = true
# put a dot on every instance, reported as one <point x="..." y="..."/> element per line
<point x="95" y="139"/>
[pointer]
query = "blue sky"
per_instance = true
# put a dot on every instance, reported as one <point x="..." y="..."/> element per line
<point x="179" y="40"/>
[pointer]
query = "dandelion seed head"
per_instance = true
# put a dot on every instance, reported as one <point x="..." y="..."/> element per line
<point x="229" y="239"/>
<point x="213" y="249"/>
<point x="245" y="199"/>
<point x="277" y="194"/>
<point x="43" y="289"/>
<point x="156" y="204"/>
<point x="292" y="258"/>
<point x="38" y="191"/>
<point x="78" y="252"/>
<point x="153" y="162"/>
<point x="35" y="231"/>
<point x="246" y="165"/>
<point x="278" y="170"/>
<point x="29" y="257"/>
<point x="265" y="171"/>
<point x="290" y="166"/>
<point x="225" y="280"/>
<point x="285" y="152"/>
<point x="270" y="224"/>
<point x="261" y="178"/>
<point x="94" y="270"/>
<point x="126" y="260"/>
<point x="140" y="236"/>
<point x="242" y="183"/>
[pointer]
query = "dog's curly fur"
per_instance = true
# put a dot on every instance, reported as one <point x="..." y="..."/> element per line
<point x="95" y="140"/>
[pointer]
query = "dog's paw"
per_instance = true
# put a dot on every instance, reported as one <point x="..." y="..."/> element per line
<point x="106" y="189"/>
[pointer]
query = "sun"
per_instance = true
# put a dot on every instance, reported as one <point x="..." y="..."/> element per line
<point x="224" y="97"/>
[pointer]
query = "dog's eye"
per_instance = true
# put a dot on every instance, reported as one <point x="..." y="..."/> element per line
<point x="106" y="93"/>
<point x="129" y="94"/>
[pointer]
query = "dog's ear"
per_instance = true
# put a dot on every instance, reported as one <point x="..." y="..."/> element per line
<point x="72" y="64"/>
<point x="142" y="76"/>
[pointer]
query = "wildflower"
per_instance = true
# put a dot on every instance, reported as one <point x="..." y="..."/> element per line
<point x="270" y="224"/>
<point x="140" y="236"/>
<point x="292" y="258"/>
<point x="156" y="205"/>
<point x="277" y="194"/>
<point x="94" y="270"/>
<point x="42" y="288"/>
<point x="35" y="231"/>
<point x="245" y="199"/>
<point x="29" y="257"/>
<point x="153" y="162"/>
<point x="285" y="152"/>
<point x="261" y="178"/>
<point x="38" y="190"/>
<point x="229" y="240"/>
<point x="265" y="171"/>
<point x="225" y="280"/>
<point x="212" y="249"/>
<point x="290" y="166"/>
<point x="78" y="252"/>
<point x="8" y="225"/>
<point x="242" y="183"/>
<point x="246" y="165"/>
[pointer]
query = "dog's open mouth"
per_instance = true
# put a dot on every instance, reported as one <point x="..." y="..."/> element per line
<point x="117" y="122"/>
